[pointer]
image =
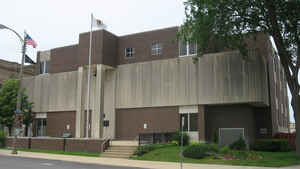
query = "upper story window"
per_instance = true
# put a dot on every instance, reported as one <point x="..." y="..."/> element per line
<point x="44" y="67"/>
<point x="156" y="48"/>
<point x="187" y="48"/>
<point x="129" y="52"/>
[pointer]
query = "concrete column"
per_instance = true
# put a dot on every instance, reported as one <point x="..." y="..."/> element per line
<point x="201" y="124"/>
<point x="79" y="106"/>
<point x="97" y="107"/>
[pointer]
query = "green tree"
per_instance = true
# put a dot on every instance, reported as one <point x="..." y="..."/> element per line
<point x="8" y="100"/>
<point x="229" y="21"/>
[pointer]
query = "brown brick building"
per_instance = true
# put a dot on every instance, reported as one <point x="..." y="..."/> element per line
<point x="147" y="82"/>
<point x="11" y="70"/>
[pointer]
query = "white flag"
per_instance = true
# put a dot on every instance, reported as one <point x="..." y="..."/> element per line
<point x="97" y="23"/>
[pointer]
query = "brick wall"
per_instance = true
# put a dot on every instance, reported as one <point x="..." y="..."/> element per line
<point x="83" y="145"/>
<point x="47" y="143"/>
<point x="22" y="142"/>
<point x="59" y="144"/>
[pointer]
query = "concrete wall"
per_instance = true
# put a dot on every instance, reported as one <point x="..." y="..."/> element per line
<point x="52" y="92"/>
<point x="220" y="78"/>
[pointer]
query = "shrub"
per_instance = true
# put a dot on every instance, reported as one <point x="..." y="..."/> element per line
<point x="177" y="137"/>
<point x="214" y="148"/>
<point x="147" y="148"/>
<point x="175" y="143"/>
<point x="238" y="145"/>
<point x="197" y="151"/>
<point x="215" y="136"/>
<point x="272" y="145"/>
<point x="225" y="150"/>
<point x="2" y="138"/>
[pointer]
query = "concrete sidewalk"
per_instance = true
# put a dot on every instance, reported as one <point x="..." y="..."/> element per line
<point x="127" y="163"/>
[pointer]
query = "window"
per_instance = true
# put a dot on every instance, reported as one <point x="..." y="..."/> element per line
<point x="187" y="48"/>
<point x="156" y="48"/>
<point x="129" y="52"/>
<point x="190" y="121"/>
<point x="41" y="127"/>
<point x="44" y="67"/>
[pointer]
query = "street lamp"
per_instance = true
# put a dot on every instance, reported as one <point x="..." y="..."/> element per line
<point x="19" y="98"/>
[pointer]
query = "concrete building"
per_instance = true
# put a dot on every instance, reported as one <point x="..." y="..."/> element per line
<point x="11" y="70"/>
<point x="146" y="82"/>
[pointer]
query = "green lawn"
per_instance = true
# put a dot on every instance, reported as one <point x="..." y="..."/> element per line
<point x="59" y="152"/>
<point x="270" y="159"/>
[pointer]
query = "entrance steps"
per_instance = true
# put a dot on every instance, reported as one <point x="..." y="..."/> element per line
<point x="120" y="149"/>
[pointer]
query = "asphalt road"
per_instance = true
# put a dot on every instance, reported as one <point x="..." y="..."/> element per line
<point x="9" y="162"/>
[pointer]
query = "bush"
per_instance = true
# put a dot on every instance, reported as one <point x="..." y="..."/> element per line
<point x="225" y="150"/>
<point x="141" y="150"/>
<point x="177" y="137"/>
<point x="238" y="145"/>
<point x="215" y="148"/>
<point x="175" y="143"/>
<point x="272" y="145"/>
<point x="197" y="151"/>
<point x="2" y="138"/>
<point x="215" y="136"/>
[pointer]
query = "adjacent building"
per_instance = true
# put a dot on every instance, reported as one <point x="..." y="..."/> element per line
<point x="146" y="82"/>
<point x="11" y="70"/>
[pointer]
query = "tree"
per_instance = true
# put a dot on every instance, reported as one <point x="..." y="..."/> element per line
<point x="8" y="100"/>
<point x="229" y="21"/>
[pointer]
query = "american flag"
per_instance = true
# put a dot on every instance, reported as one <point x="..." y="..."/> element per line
<point x="30" y="41"/>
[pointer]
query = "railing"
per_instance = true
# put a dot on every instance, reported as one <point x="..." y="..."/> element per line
<point x="105" y="144"/>
<point x="154" y="138"/>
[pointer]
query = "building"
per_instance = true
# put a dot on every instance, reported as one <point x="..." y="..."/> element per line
<point x="11" y="70"/>
<point x="146" y="82"/>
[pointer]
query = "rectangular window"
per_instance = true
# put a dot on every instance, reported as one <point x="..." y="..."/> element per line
<point x="41" y="127"/>
<point x="129" y="52"/>
<point x="156" y="48"/>
<point x="190" y="121"/>
<point x="187" y="48"/>
<point x="44" y="67"/>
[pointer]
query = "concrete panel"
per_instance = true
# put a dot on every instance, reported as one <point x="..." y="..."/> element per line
<point x="222" y="78"/>
<point x="109" y="104"/>
<point x="65" y="83"/>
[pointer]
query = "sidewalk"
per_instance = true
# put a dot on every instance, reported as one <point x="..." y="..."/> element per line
<point x="127" y="163"/>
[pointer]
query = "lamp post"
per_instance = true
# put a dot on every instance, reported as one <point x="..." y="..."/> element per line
<point x="19" y="98"/>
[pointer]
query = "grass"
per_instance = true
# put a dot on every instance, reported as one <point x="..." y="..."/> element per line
<point x="86" y="154"/>
<point x="270" y="159"/>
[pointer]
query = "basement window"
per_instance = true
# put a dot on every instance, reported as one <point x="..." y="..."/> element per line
<point x="129" y="52"/>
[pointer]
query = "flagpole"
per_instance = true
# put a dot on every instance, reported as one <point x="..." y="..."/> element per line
<point x="19" y="98"/>
<point x="89" y="78"/>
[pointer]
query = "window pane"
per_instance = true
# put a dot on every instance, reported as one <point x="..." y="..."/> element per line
<point x="192" y="49"/>
<point x="182" y="48"/>
<point x="41" y="67"/>
<point x="185" y="126"/>
<point x="194" y="122"/>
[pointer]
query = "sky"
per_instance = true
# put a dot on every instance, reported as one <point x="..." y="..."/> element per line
<point x="56" y="23"/>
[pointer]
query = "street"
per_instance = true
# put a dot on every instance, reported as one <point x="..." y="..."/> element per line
<point x="9" y="162"/>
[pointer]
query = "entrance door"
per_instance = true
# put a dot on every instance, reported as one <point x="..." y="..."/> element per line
<point x="190" y="125"/>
